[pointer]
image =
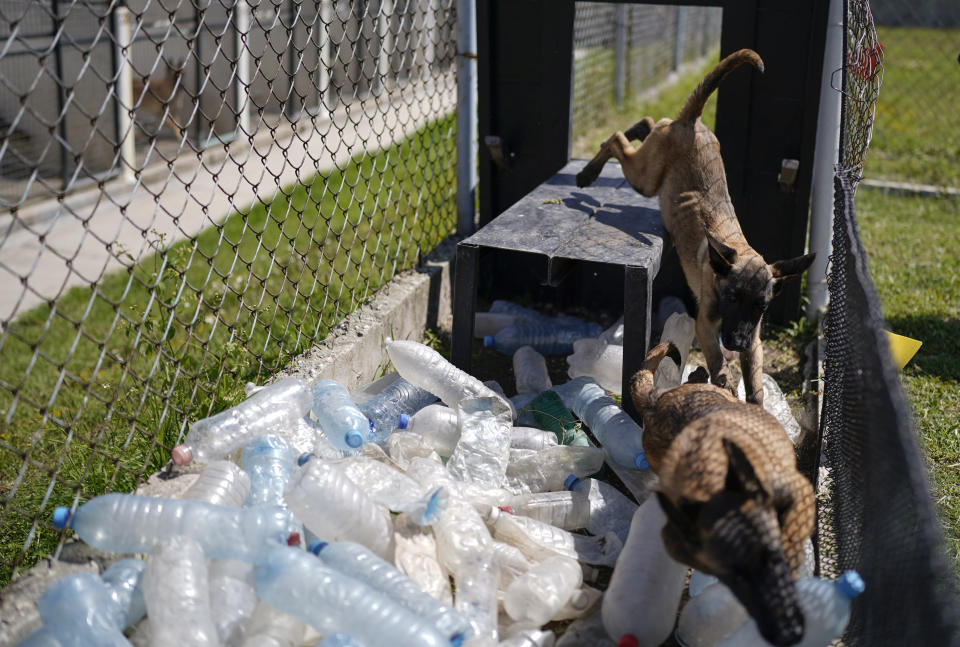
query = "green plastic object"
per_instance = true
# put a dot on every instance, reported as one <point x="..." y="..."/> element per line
<point x="552" y="415"/>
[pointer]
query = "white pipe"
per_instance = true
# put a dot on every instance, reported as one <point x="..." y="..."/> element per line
<point x="824" y="161"/>
<point x="128" y="152"/>
<point x="241" y="84"/>
<point x="466" y="114"/>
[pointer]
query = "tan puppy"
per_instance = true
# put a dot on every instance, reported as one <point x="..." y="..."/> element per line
<point x="680" y="161"/>
<point x="736" y="505"/>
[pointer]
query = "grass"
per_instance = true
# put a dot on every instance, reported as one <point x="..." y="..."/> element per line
<point x="96" y="388"/>
<point x="917" y="130"/>
<point x="912" y="248"/>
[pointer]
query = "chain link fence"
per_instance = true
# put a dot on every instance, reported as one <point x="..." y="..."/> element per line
<point x="623" y="52"/>
<point x="192" y="192"/>
<point x="875" y="513"/>
<point x="917" y="135"/>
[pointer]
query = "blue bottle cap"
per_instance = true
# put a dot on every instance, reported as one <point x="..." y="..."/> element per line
<point x="850" y="584"/>
<point x="371" y="424"/>
<point x="316" y="546"/>
<point x="403" y="421"/>
<point x="488" y="341"/>
<point x="457" y="639"/>
<point x="303" y="458"/>
<point x="640" y="460"/>
<point x="60" y="517"/>
<point x="571" y="482"/>
<point x="353" y="439"/>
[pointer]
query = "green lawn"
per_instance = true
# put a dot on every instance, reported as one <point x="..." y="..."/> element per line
<point x="95" y="389"/>
<point x="917" y="131"/>
<point x="912" y="246"/>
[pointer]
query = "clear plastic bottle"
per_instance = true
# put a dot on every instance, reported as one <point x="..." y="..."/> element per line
<point x="490" y="323"/>
<point x="220" y="483"/>
<point x="530" y="638"/>
<point x="128" y="523"/>
<point x="176" y="591"/>
<point x="77" y="610"/>
<point x="532" y="438"/>
<point x="776" y="404"/>
<point x="415" y="555"/>
<point x="538" y="594"/>
<point x="710" y="617"/>
<point x="426" y="368"/>
<point x="620" y="436"/>
<point x="519" y="312"/>
<point x="392" y="488"/>
<point x="597" y="359"/>
<point x="476" y="582"/>
<point x="699" y="581"/>
<point x="269" y="627"/>
<point x="563" y="509"/>
<point x="404" y="446"/>
<point x="680" y="329"/>
<point x="614" y="334"/>
<point x="124" y="578"/>
<point x="535" y="539"/>
<point x="232" y="597"/>
<point x="483" y="451"/>
<point x="324" y="498"/>
<point x="40" y="638"/>
<point x="269" y="461"/>
<point x="513" y="563"/>
<point x="273" y="410"/>
<point x="391" y="409"/>
<point x="646" y="585"/>
<point x="360" y="563"/>
<point x="339" y="639"/>
<point x="298" y="583"/>
<point x="545" y="338"/>
<point x="530" y="371"/>
<point x="610" y="509"/>
<point x="341" y="421"/>
<point x="547" y="469"/>
<point x="438" y="424"/>
<point x="826" y="612"/>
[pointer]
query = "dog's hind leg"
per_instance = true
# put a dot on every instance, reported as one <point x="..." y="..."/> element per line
<point x="639" y="130"/>
<point x="617" y="146"/>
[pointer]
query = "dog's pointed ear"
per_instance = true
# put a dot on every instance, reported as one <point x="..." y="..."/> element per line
<point x="791" y="267"/>
<point x="741" y="477"/>
<point x="722" y="257"/>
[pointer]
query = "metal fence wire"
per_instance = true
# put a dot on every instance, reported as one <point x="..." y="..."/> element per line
<point x="192" y="192"/>
<point x="877" y="516"/>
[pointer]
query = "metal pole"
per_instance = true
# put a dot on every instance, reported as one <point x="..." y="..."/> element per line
<point x="325" y="63"/>
<point x="824" y="162"/>
<point x="124" y="94"/>
<point x="466" y="114"/>
<point x="241" y="84"/>
<point x="61" y="99"/>
<point x="620" y="56"/>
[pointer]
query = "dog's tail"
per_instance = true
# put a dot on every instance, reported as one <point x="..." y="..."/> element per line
<point x="695" y="102"/>
<point x="641" y="386"/>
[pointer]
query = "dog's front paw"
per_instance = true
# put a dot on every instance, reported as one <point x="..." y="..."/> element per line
<point x="724" y="380"/>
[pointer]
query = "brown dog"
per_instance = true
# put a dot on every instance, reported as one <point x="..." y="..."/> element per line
<point x="736" y="505"/>
<point x="680" y="161"/>
<point x="160" y="97"/>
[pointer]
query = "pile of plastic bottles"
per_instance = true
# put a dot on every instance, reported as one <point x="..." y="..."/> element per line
<point x="406" y="522"/>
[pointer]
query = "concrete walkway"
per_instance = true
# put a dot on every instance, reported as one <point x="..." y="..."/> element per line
<point x="51" y="246"/>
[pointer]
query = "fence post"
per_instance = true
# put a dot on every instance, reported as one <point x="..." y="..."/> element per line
<point x="620" y="55"/>
<point x="386" y="44"/>
<point x="324" y="63"/>
<point x="124" y="94"/>
<point x="241" y="86"/>
<point x="466" y="114"/>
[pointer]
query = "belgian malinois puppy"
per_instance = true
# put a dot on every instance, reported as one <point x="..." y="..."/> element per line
<point x="735" y="503"/>
<point x="680" y="161"/>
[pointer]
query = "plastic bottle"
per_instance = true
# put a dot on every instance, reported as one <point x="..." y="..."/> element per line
<point x="610" y="510"/>
<point x="530" y="638"/>
<point x="521" y="404"/>
<point x="563" y="509"/>
<point x="483" y="451"/>
<point x="298" y="583"/>
<point x="269" y="627"/>
<point x="513" y="563"/>
<point x="710" y="617"/>
<point x="616" y="431"/>
<point x="545" y="338"/>
<point x="646" y="585"/>
<point x="426" y="368"/>
<point x="339" y="639"/>
<point x="273" y="410"/>
<point x="415" y="555"/>
<point x="477" y="581"/>
<point x="176" y="591"/>
<point x="553" y="415"/>
<point x="341" y="421"/>
<point x="220" y="483"/>
<point x="614" y="334"/>
<point x="699" y="581"/>
<point x="775" y="403"/>
<point x="359" y="563"/>
<point x="40" y="638"/>
<point x="404" y="446"/>
<point x="371" y="389"/>
<point x="519" y="312"/>
<point x="392" y="488"/>
<point x="438" y="424"/>
<point x="530" y="371"/>
<point x="269" y="461"/>
<point x="127" y="523"/>
<point x="538" y="594"/>
<point x="490" y="323"/>
<point x="597" y="359"/>
<point x="547" y="469"/>
<point x="680" y="329"/>
<point x="324" y="498"/>
<point x="538" y="540"/>
<point x="124" y="578"/>
<point x="826" y="612"/>
<point x="391" y="409"/>
<point x="77" y="610"/>
<point x="531" y="438"/>
<point x="232" y="597"/>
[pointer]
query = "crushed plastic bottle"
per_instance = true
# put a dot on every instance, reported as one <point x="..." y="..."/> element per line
<point x="324" y="498"/>
<point x="124" y="577"/>
<point x="532" y="438"/>
<point x="128" y="523"/>
<point x="614" y="334"/>
<point x="232" y="597"/>
<point x="476" y="582"/>
<point x="646" y="585"/>
<point x="545" y="338"/>
<point x="341" y="421"/>
<point x="482" y="453"/>
<point x="298" y="583"/>
<point x="403" y="447"/>
<point x="595" y="358"/>
<point x="775" y="403"/>
<point x="538" y="540"/>
<point x="360" y="563"/>
<point x="610" y="510"/>
<point x="710" y="617"/>
<point x="77" y="610"/>
<point x="176" y="592"/>
<point x="392" y="488"/>
<point x="220" y="483"/>
<point x="548" y="469"/>
<point x="274" y="409"/>
<point x="269" y="627"/>
<point x="269" y="461"/>
<point x="563" y="509"/>
<point x="438" y="425"/>
<point x="415" y="555"/>
<point x="537" y="595"/>
<point x="530" y="371"/>
<point x="392" y="408"/>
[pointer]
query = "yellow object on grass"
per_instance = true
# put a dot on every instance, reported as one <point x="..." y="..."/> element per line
<point x="902" y="348"/>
